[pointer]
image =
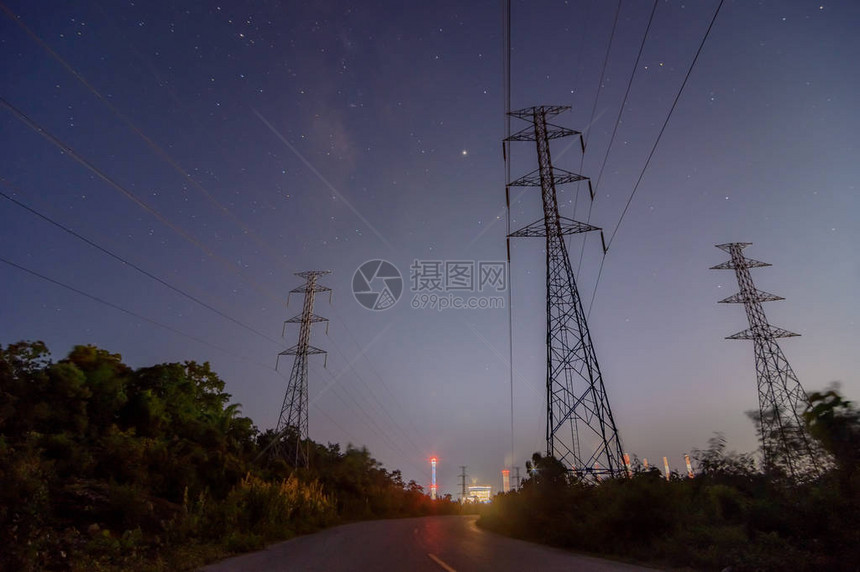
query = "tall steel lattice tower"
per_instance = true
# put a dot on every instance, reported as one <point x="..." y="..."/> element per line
<point x="580" y="430"/>
<point x="785" y="443"/>
<point x="293" y="422"/>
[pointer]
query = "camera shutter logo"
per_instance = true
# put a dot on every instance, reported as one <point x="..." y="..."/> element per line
<point x="377" y="285"/>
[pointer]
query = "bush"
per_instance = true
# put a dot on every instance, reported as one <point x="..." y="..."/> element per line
<point x="727" y="517"/>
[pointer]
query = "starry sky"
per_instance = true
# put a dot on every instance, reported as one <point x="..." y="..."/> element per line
<point x="215" y="150"/>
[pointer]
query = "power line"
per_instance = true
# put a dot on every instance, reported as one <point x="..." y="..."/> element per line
<point x="602" y="77"/>
<point x="626" y="95"/>
<point x="582" y="35"/>
<point x="373" y="370"/>
<point x="373" y="425"/>
<point x="596" y="282"/>
<point x="376" y="400"/>
<point x="587" y="129"/>
<point x="102" y="301"/>
<point x="126" y="261"/>
<point x="163" y="282"/>
<point x="149" y="142"/>
<point x="376" y="427"/>
<point x="104" y="250"/>
<point x="115" y="306"/>
<point x="653" y="149"/>
<point x="398" y="429"/>
<point x="20" y="115"/>
<point x="506" y="51"/>
<point x="615" y="130"/>
<point x="370" y="419"/>
<point x="37" y="128"/>
<point x="160" y="152"/>
<point x="665" y="123"/>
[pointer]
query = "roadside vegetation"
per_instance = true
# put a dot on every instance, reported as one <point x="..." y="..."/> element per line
<point x="105" y="467"/>
<point x="730" y="516"/>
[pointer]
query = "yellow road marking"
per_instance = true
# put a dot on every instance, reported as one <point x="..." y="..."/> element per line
<point x="439" y="561"/>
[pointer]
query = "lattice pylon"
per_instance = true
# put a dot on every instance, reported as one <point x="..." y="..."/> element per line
<point x="786" y="445"/>
<point x="292" y="429"/>
<point x="580" y="429"/>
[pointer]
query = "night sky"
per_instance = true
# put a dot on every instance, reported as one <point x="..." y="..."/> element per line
<point x="223" y="148"/>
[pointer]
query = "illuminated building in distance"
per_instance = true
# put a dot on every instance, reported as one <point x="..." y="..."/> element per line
<point x="480" y="493"/>
<point x="433" y="478"/>
<point x="506" y="480"/>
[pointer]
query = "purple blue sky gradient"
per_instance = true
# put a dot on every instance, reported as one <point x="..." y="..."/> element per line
<point x="268" y="138"/>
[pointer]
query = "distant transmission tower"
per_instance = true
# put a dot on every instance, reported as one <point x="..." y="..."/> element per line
<point x="293" y="422"/>
<point x="580" y="430"/>
<point x="785" y="442"/>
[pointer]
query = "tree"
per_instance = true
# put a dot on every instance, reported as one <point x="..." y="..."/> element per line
<point x="22" y="385"/>
<point x="106" y="377"/>
<point x="547" y="472"/>
<point x="716" y="462"/>
<point x="835" y="423"/>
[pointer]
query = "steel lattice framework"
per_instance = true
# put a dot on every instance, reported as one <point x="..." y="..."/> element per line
<point x="785" y="443"/>
<point x="292" y="426"/>
<point x="580" y="429"/>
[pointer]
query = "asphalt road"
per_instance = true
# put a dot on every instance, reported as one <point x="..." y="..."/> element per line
<point x="429" y="544"/>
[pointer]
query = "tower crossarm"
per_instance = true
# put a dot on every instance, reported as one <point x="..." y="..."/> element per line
<point x="553" y="132"/>
<point x="304" y="289"/>
<point x="747" y="263"/>
<point x="310" y="350"/>
<point x="765" y="332"/>
<point x="313" y="318"/>
<point x="307" y="274"/>
<point x="528" y="113"/>
<point x="560" y="177"/>
<point x="754" y="296"/>
<point x="567" y="226"/>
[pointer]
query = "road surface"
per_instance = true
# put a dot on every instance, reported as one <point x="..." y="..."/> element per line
<point x="428" y="544"/>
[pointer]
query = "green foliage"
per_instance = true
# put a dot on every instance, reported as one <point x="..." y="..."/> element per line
<point x="716" y="463"/>
<point x="835" y="423"/>
<point x="98" y="462"/>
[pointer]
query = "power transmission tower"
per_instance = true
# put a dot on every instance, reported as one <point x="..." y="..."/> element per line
<point x="463" y="483"/>
<point x="580" y="429"/>
<point x="293" y="422"/>
<point x="785" y="443"/>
